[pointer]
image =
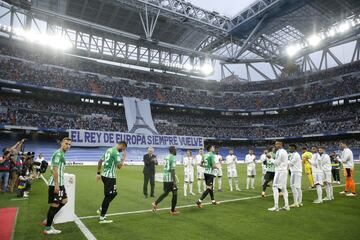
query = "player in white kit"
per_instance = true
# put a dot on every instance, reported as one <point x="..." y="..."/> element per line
<point x="281" y="174"/>
<point x="218" y="172"/>
<point x="295" y="165"/>
<point x="326" y="167"/>
<point x="200" y="171"/>
<point x="317" y="172"/>
<point x="231" y="161"/>
<point x="250" y="160"/>
<point x="189" y="163"/>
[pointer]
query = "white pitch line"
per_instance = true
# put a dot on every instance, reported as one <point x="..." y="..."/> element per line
<point x="190" y="205"/>
<point x="78" y="222"/>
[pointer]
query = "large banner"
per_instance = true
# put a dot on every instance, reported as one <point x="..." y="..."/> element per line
<point x="138" y="116"/>
<point x="87" y="138"/>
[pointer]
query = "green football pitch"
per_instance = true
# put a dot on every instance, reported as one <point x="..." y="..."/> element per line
<point x="242" y="215"/>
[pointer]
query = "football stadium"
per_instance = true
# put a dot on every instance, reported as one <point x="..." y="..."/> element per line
<point x="179" y="119"/>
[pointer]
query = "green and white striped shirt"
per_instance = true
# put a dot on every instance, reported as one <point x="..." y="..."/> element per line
<point x="209" y="161"/>
<point x="111" y="159"/>
<point x="170" y="164"/>
<point x="58" y="160"/>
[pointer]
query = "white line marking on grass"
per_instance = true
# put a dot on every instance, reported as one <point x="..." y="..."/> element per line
<point x="19" y="199"/>
<point x="191" y="205"/>
<point x="78" y="222"/>
<point x="84" y="229"/>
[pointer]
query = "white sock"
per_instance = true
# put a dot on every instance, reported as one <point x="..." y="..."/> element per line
<point x="319" y="192"/>
<point x="199" y="185"/>
<point x="331" y="192"/>
<point x="286" y="196"/>
<point x="185" y="189"/>
<point x="327" y="190"/>
<point x="299" y="195"/>
<point x="191" y="187"/>
<point x="219" y="183"/>
<point x="204" y="185"/>
<point x="295" y="195"/>
<point x="237" y="183"/>
<point x="252" y="182"/>
<point x="276" y="197"/>
<point x="230" y="185"/>
<point x="247" y="183"/>
<point x="214" y="183"/>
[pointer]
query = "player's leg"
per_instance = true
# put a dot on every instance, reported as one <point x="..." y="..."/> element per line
<point x="252" y="180"/>
<point x="219" y="175"/>
<point x="219" y="183"/>
<point x="236" y="180"/>
<point x="174" y="201"/>
<point x="191" y="181"/>
<point x="268" y="177"/>
<point x="167" y="190"/>
<point x="294" y="190"/>
<point x="199" y="181"/>
<point x="109" y="195"/>
<point x="276" y="185"/>
<point x="230" y="180"/>
<point x="56" y="201"/>
<point x="328" y="186"/>
<point x="248" y="178"/>
<point x="284" y="176"/>
<point x="318" y="181"/>
<point x="186" y="182"/>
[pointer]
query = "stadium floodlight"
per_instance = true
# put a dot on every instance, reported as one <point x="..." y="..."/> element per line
<point x="344" y="27"/>
<point x="293" y="49"/>
<point x="314" y="40"/>
<point x="207" y="69"/>
<point x="332" y="32"/>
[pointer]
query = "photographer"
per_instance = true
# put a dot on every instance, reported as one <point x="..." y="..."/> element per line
<point x="15" y="164"/>
<point x="37" y="163"/>
<point x="4" y="170"/>
<point x="25" y="178"/>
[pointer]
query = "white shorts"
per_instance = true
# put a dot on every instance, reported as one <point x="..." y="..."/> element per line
<point x="200" y="174"/>
<point x="295" y="179"/>
<point x="327" y="176"/>
<point x="280" y="180"/>
<point x="218" y="172"/>
<point x="188" y="176"/>
<point x="251" y="171"/>
<point x="318" y="178"/>
<point x="232" y="173"/>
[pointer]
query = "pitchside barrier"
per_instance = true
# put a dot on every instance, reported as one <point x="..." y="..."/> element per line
<point x="67" y="213"/>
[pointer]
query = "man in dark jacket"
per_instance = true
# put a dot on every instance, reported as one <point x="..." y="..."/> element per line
<point x="149" y="171"/>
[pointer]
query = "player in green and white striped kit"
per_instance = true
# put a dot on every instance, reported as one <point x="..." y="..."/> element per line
<point x="57" y="197"/>
<point x="169" y="181"/>
<point x="113" y="158"/>
<point x="210" y="166"/>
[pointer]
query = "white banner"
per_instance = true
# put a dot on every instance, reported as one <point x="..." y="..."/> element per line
<point x="87" y="138"/>
<point x="138" y="116"/>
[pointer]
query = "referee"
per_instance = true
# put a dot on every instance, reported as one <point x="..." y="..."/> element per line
<point x="149" y="172"/>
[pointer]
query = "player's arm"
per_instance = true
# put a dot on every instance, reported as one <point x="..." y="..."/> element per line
<point x="100" y="162"/>
<point x="56" y="179"/>
<point x="122" y="162"/>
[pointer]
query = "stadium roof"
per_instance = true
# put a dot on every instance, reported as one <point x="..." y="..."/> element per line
<point x="174" y="35"/>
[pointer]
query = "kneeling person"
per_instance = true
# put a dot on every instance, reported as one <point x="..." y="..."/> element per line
<point x="113" y="158"/>
<point x="57" y="197"/>
<point x="169" y="182"/>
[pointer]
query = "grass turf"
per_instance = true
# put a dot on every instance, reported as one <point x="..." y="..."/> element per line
<point x="247" y="219"/>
